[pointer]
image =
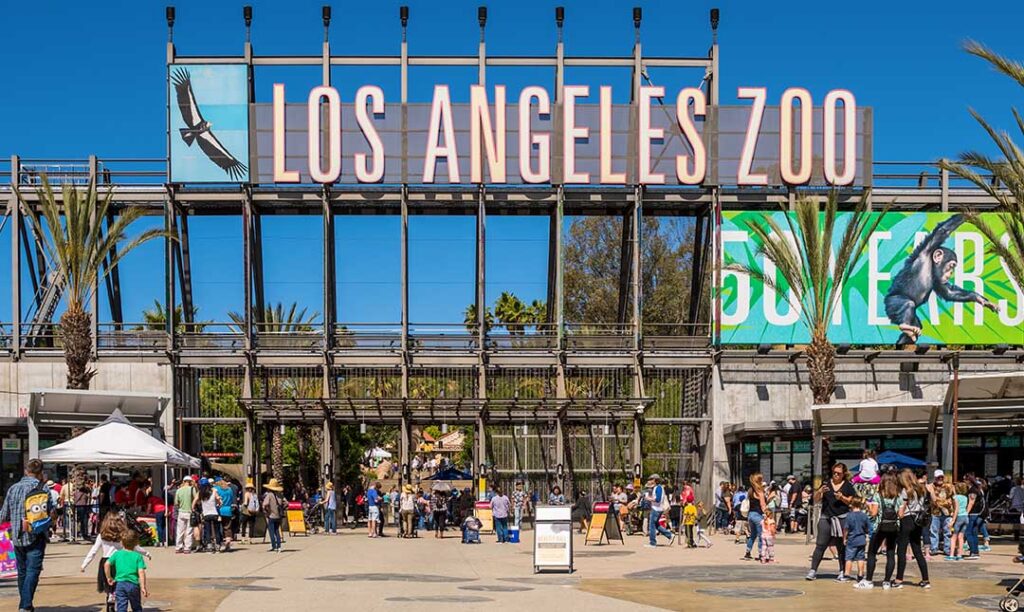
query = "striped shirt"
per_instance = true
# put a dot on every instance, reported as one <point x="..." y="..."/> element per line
<point x="13" y="510"/>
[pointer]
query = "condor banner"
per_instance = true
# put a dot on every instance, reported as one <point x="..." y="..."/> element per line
<point x="923" y="278"/>
<point x="209" y="123"/>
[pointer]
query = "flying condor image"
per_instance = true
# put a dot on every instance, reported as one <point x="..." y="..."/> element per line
<point x="199" y="129"/>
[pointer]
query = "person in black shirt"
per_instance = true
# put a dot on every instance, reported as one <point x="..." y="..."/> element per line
<point x="976" y="505"/>
<point x="835" y="497"/>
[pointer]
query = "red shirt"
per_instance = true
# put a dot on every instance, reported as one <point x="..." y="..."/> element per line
<point x="121" y="497"/>
<point x="156" y="504"/>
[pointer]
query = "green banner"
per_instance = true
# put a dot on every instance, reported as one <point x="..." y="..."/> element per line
<point x="923" y="278"/>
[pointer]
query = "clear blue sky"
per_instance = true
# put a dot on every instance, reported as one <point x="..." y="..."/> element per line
<point x="89" y="78"/>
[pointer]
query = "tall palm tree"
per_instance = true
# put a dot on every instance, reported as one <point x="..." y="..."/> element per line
<point x="1006" y="185"/>
<point x="71" y="230"/>
<point x="277" y="319"/>
<point x="805" y="263"/>
<point x="471" y="320"/>
<point x="155" y="318"/>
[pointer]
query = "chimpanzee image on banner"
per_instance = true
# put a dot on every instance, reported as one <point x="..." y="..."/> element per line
<point x="923" y="278"/>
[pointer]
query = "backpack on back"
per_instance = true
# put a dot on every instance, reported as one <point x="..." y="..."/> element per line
<point x="890" y="519"/>
<point x="37" y="512"/>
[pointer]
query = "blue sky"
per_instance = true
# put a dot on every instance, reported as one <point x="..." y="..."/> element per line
<point x="89" y="78"/>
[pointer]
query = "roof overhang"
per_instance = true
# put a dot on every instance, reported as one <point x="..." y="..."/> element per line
<point x="66" y="408"/>
<point x="989" y="401"/>
<point x="737" y="431"/>
<point x="875" y="418"/>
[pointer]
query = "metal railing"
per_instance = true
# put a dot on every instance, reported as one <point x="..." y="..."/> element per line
<point x="209" y="336"/>
<point x="153" y="172"/>
<point x="368" y="336"/>
<point x="131" y="337"/>
<point x="600" y="336"/>
<point x="444" y="336"/>
<point x="269" y="336"/>
<point x="535" y="337"/>
<point x="675" y="336"/>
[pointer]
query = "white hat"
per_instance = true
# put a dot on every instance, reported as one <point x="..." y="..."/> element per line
<point x="939" y="474"/>
<point x="189" y="478"/>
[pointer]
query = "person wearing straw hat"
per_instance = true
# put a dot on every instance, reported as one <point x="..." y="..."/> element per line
<point x="273" y="507"/>
<point x="330" y="509"/>
<point x="407" y="509"/>
<point x="250" y="509"/>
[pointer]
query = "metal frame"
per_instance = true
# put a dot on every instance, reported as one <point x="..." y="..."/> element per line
<point x="142" y="183"/>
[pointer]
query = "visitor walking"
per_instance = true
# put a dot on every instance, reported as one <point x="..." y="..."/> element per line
<point x="914" y="516"/>
<point x="757" y="506"/>
<point x="500" y="506"/>
<point x="835" y="497"/>
<point x="210" y="502"/>
<point x="273" y="508"/>
<point x="440" y="505"/>
<point x="658" y="500"/>
<point x="373" y="510"/>
<point x="29" y="540"/>
<point x="250" y="510"/>
<point x="184" y="504"/>
<point x="407" y="508"/>
<point x="519" y="501"/>
<point x="108" y="540"/>
<point x="977" y="507"/>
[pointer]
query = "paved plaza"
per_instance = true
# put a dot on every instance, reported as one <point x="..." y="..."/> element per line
<point x="349" y="570"/>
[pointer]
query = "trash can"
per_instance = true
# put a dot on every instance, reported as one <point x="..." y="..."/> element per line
<point x="513" y="535"/>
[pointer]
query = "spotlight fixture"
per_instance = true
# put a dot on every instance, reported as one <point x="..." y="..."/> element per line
<point x="764" y="349"/>
<point x="247" y="15"/>
<point x="638" y="14"/>
<point x="169" y="11"/>
<point x="921" y="349"/>
<point x="403" y="15"/>
<point x="481" y="15"/>
<point x="1000" y="349"/>
<point x="325" y="11"/>
<point x="714" y="19"/>
<point x="843" y="349"/>
<point x="559" y="15"/>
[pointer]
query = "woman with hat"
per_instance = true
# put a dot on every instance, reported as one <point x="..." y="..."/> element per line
<point x="273" y="507"/>
<point x="407" y="510"/>
<point x="250" y="509"/>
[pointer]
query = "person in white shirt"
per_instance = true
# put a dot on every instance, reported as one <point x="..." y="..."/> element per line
<point x="868" y="472"/>
<point x="784" y="502"/>
<point x="108" y="540"/>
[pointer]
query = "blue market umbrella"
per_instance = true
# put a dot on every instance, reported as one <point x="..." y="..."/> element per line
<point x="895" y="459"/>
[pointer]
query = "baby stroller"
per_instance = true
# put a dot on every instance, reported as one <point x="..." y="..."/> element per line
<point x="471" y="530"/>
<point x="1010" y="603"/>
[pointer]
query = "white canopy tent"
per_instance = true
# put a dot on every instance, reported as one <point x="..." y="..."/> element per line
<point x="116" y="441"/>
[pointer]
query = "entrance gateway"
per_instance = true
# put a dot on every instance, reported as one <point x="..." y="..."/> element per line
<point x="564" y="398"/>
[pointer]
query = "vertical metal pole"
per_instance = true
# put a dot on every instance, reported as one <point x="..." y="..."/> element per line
<point x="404" y="76"/>
<point x="481" y="272"/>
<point x="247" y="263"/>
<point x="559" y="267"/>
<point x="329" y="273"/>
<point x="482" y="59"/>
<point x="638" y="194"/>
<point x="94" y="316"/>
<point x="944" y="187"/>
<point x="169" y="266"/>
<point x="15" y="207"/>
<point x="956" y="418"/>
<point x="405" y="267"/>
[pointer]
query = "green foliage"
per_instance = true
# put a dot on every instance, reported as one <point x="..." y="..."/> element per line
<point x="1006" y="181"/>
<point x="592" y="261"/>
<point x="218" y="398"/>
<point x="433" y="431"/>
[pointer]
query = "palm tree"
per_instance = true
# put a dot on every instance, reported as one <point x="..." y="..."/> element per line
<point x="155" y="318"/>
<point x="1006" y="185"/>
<point x="805" y="263"/>
<point x="471" y="320"/>
<point x="70" y="228"/>
<point x="277" y="319"/>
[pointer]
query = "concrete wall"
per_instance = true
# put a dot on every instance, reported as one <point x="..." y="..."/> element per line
<point x="786" y="396"/>
<point x="19" y="378"/>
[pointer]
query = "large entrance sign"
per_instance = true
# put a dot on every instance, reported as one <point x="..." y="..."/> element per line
<point x="530" y="137"/>
<point x="924" y="278"/>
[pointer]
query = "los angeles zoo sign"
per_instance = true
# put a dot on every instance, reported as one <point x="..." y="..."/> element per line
<point x="580" y="137"/>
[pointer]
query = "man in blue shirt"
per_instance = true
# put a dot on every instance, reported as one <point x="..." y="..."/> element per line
<point x="659" y="503"/>
<point x="373" y="509"/>
<point x="857" y="526"/>
<point x="29" y="549"/>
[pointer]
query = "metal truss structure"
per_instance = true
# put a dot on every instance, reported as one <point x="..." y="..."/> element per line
<point x="562" y="377"/>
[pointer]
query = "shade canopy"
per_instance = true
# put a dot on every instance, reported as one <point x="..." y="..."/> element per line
<point x="990" y="401"/>
<point x="450" y="473"/>
<point x="875" y="418"/>
<point x="116" y="441"/>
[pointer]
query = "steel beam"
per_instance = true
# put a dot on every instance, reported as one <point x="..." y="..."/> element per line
<point x="184" y="250"/>
<point x="329" y="277"/>
<point x="257" y="263"/>
<point x="94" y="298"/>
<point x="17" y="231"/>
<point x="247" y="257"/>
<point x="170" y="258"/>
<point x="112" y="280"/>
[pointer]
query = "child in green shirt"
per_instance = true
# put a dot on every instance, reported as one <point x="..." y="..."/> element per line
<point x="128" y="575"/>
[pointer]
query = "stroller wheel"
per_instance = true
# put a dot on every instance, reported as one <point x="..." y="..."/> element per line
<point x="1009" y="604"/>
